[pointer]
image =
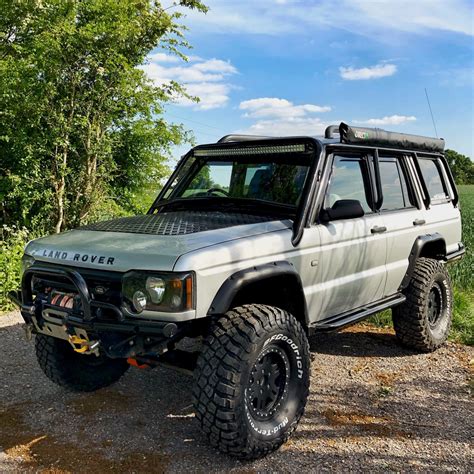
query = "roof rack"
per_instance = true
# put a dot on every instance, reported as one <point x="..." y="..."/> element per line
<point x="240" y="138"/>
<point x="383" y="138"/>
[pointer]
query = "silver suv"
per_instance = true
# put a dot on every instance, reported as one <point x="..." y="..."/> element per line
<point x="253" y="244"/>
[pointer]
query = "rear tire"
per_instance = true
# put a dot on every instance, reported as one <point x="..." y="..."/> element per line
<point x="424" y="320"/>
<point x="73" y="371"/>
<point x="252" y="380"/>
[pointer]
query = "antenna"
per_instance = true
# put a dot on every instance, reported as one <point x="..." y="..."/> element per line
<point x="431" y="112"/>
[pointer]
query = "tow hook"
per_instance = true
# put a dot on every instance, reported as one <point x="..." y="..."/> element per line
<point x="84" y="346"/>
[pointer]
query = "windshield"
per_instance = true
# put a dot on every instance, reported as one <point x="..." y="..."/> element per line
<point x="274" y="179"/>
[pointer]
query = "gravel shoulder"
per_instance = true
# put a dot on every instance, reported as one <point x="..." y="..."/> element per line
<point x="373" y="406"/>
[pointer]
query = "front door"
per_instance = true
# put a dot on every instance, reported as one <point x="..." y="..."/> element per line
<point x="353" y="251"/>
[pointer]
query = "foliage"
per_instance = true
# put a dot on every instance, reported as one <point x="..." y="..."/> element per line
<point x="462" y="272"/>
<point x="461" y="166"/>
<point x="463" y="317"/>
<point x="81" y="124"/>
<point x="12" y="243"/>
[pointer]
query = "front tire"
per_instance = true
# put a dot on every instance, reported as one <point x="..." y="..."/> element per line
<point x="73" y="371"/>
<point x="252" y="380"/>
<point x="424" y="320"/>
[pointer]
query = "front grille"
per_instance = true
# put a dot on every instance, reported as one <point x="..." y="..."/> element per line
<point x="103" y="286"/>
<point x="176" y="223"/>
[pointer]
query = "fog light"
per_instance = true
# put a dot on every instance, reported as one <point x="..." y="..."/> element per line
<point x="156" y="289"/>
<point x="139" y="301"/>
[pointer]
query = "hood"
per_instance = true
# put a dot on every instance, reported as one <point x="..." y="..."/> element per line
<point x="149" y="242"/>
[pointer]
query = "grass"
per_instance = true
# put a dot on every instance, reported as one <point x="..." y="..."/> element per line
<point x="461" y="276"/>
<point x="462" y="273"/>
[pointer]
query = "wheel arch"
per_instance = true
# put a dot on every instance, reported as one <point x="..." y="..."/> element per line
<point x="275" y="284"/>
<point x="429" y="246"/>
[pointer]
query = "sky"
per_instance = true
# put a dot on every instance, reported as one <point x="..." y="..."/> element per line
<point x="292" y="67"/>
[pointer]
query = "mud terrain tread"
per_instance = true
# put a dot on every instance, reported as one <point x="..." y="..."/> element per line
<point x="410" y="318"/>
<point x="65" y="368"/>
<point x="216" y="386"/>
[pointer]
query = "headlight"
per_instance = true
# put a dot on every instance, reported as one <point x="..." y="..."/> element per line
<point x="26" y="263"/>
<point x="172" y="292"/>
<point x="156" y="288"/>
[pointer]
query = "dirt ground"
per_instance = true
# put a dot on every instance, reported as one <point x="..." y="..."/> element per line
<point x="373" y="406"/>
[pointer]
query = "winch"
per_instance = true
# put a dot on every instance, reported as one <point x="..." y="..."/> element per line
<point x="63" y="300"/>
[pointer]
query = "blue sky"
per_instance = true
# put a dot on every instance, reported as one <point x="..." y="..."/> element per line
<point x="284" y="67"/>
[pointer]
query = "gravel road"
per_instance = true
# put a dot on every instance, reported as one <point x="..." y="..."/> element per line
<point x="373" y="406"/>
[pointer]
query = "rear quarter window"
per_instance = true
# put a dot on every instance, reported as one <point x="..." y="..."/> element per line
<point x="394" y="185"/>
<point x="434" y="179"/>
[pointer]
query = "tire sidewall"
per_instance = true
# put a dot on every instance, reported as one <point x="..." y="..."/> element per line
<point x="439" y="332"/>
<point x="294" y="398"/>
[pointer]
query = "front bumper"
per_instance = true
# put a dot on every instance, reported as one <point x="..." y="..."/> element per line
<point x="119" y="334"/>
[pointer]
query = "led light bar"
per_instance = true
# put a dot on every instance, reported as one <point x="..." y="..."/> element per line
<point x="256" y="150"/>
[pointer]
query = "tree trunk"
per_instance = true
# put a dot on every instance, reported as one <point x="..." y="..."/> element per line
<point x="60" y="188"/>
<point x="91" y="145"/>
<point x="60" y="204"/>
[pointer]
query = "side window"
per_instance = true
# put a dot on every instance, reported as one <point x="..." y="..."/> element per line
<point x="394" y="185"/>
<point x="432" y="174"/>
<point x="348" y="181"/>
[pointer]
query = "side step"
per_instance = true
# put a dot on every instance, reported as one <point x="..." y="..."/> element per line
<point x="350" y="317"/>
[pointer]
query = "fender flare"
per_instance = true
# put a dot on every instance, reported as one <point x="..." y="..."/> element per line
<point x="243" y="278"/>
<point x="416" y="250"/>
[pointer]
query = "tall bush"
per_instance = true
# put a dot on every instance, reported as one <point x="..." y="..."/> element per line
<point x="12" y="243"/>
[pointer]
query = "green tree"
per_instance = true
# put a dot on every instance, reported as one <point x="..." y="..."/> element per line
<point x="461" y="166"/>
<point x="81" y="125"/>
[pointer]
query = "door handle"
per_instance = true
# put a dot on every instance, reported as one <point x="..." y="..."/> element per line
<point x="378" y="229"/>
<point x="419" y="222"/>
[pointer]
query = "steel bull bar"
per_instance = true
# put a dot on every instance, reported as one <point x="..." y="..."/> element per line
<point x="87" y="318"/>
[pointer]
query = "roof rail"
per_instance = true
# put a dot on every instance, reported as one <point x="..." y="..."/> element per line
<point x="329" y="132"/>
<point x="240" y="138"/>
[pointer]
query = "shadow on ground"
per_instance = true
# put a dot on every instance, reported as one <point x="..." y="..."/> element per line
<point x="373" y="406"/>
<point x="359" y="341"/>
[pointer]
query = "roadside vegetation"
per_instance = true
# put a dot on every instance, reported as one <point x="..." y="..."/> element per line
<point x="82" y="132"/>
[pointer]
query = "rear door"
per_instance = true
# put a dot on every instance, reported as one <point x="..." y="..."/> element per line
<point x="441" y="216"/>
<point x="353" y="251"/>
<point x="402" y="216"/>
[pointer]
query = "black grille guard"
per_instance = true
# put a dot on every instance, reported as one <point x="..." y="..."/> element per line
<point x="75" y="278"/>
<point x="85" y="319"/>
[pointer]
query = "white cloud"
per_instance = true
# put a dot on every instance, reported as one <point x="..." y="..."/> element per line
<point x="278" y="108"/>
<point x="164" y="58"/>
<point x="365" y="73"/>
<point x="419" y="16"/>
<point x="206" y="79"/>
<point x="371" y="18"/>
<point x="279" y="117"/>
<point x="284" y="127"/>
<point x="212" y="95"/>
<point x="216" y="65"/>
<point x="388" y="120"/>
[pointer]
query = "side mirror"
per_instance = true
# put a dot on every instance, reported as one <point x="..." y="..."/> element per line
<point x="343" y="209"/>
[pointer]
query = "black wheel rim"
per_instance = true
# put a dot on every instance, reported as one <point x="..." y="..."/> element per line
<point x="435" y="305"/>
<point x="268" y="383"/>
